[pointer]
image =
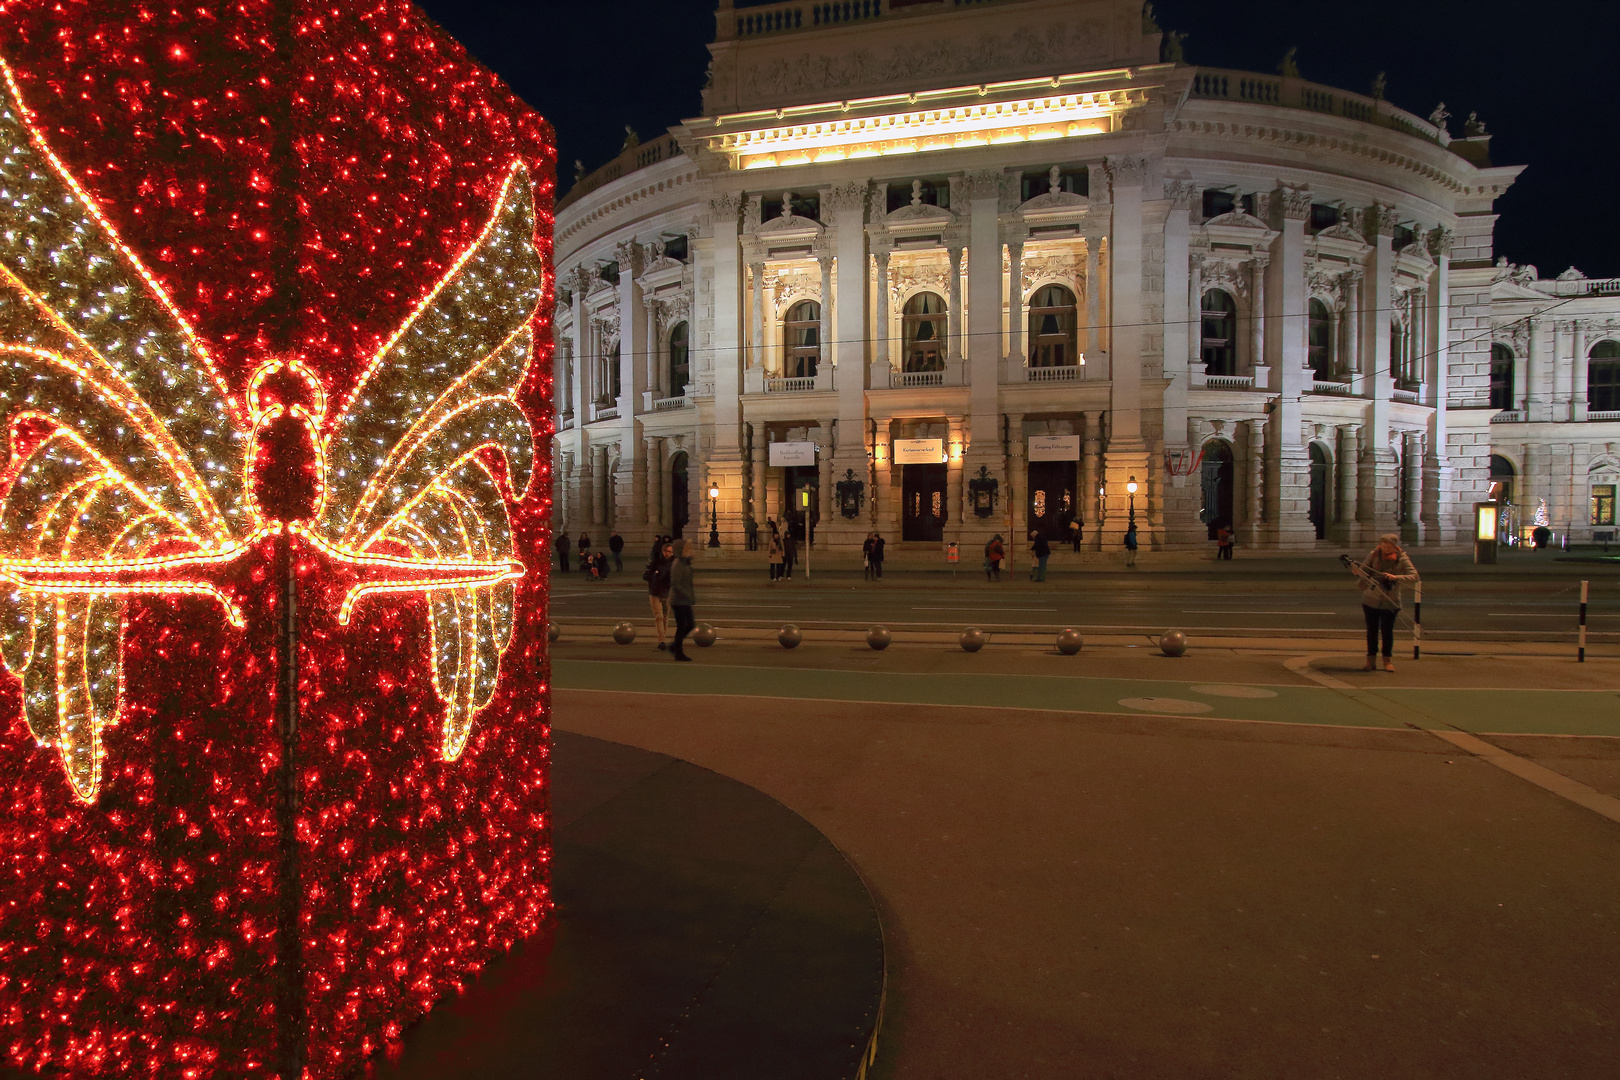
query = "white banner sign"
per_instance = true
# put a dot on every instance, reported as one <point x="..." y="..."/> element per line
<point x="919" y="451"/>
<point x="1054" y="448"/>
<point x="792" y="453"/>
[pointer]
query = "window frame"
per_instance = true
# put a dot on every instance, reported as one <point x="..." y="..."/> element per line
<point x="684" y="365"/>
<point x="1041" y="346"/>
<point x="919" y="356"/>
<point x="1211" y="347"/>
<point x="1603" y="377"/>
<point x="1319" y="357"/>
<point x="802" y="357"/>
<point x="1602" y="504"/>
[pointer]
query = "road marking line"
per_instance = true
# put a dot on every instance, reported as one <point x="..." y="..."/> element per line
<point x="1228" y="611"/>
<point x="1541" y="776"/>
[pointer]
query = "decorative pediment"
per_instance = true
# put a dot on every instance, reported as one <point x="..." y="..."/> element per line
<point x="1344" y="233"/>
<point x="1055" y="200"/>
<point x="789" y="225"/>
<point x="1237" y="218"/>
<point x="919" y="213"/>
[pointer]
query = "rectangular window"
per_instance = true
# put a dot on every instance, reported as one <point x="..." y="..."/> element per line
<point x="1323" y="217"/>
<point x="1218" y="202"/>
<point x="675" y="248"/>
<point x="1603" y="504"/>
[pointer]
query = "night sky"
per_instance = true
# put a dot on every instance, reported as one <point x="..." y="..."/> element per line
<point x="1541" y="75"/>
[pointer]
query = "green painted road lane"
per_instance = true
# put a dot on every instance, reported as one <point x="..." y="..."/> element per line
<point x="1517" y="712"/>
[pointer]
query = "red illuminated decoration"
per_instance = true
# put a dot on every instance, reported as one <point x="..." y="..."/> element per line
<point x="273" y="278"/>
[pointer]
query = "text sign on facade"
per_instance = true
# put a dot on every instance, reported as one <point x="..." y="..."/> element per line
<point x="786" y="454"/>
<point x="1054" y="448"/>
<point x="919" y="451"/>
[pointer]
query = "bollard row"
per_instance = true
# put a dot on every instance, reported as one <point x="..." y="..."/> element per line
<point x="1069" y="641"/>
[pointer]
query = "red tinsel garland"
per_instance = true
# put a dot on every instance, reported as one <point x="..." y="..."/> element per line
<point x="297" y="176"/>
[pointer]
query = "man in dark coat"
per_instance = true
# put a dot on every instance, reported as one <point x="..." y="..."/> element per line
<point x="560" y="543"/>
<point x="616" y="545"/>
<point x="877" y="555"/>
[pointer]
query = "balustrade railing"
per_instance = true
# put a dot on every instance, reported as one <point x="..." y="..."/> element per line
<point x="630" y="160"/>
<point x="1603" y="414"/>
<point x="1508" y="416"/>
<point x="666" y="404"/>
<point x="1408" y="396"/>
<point x="794" y="385"/>
<point x="1218" y="85"/>
<point x="1329" y="386"/>
<point x="1229" y="382"/>
<point x="909" y="379"/>
<point x="1053" y="374"/>
<point x="606" y="412"/>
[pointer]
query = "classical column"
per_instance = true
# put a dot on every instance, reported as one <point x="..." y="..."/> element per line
<point x="757" y="451"/>
<point x="1254" y="469"/>
<point x="1015" y="302"/>
<point x="879" y="501"/>
<point x="655" y="482"/>
<point x="579" y="281"/>
<point x="824" y="473"/>
<point x="1352" y="320"/>
<point x="1349" y="456"/>
<point x="826" y="313"/>
<point x="1093" y="338"/>
<point x="655" y="370"/>
<point x="1015" y="493"/>
<point x="756" y="351"/>
<point x="955" y="490"/>
<point x="1090" y="474"/>
<point x="1577" y="400"/>
<point x="881" y="364"/>
<point x="1257" y="315"/>
<point x="1195" y="320"/>
<point x="954" y="301"/>
<point x="1412" y="473"/>
<point x="561" y="502"/>
<point x="599" y="485"/>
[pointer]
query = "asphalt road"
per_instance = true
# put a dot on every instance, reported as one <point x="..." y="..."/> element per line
<point x="1459" y="601"/>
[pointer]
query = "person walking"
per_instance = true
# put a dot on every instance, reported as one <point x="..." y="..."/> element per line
<point x="1389" y="567"/>
<point x="560" y="543"/>
<point x="866" y="557"/>
<point x="616" y="545"/>
<point x="1223" y="541"/>
<point x="774" y="551"/>
<point x="1042" y="551"/>
<point x="1077" y="533"/>
<point x="790" y="552"/>
<point x="1130" y="546"/>
<point x="751" y="533"/>
<point x="877" y="556"/>
<point x="682" y="596"/>
<point x="584" y="552"/>
<point x="994" y="552"/>
<point x="657" y="578"/>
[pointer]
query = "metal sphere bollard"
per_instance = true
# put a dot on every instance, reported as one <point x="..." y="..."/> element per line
<point x="624" y="633"/>
<point x="1069" y="641"/>
<point x="704" y="635"/>
<point x="1173" y="643"/>
<point x="879" y="637"/>
<point x="790" y="636"/>
<point x="973" y="639"/>
<point x="553" y="632"/>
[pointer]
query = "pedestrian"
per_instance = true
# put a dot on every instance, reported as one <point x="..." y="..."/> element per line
<point x="774" y="552"/>
<point x="682" y="596"/>
<point x="1130" y="546"/>
<point x="1042" y="551"/>
<point x="561" y="545"/>
<point x="994" y="552"/>
<point x="1389" y="567"/>
<point x="751" y="533"/>
<point x="616" y="545"/>
<point x="584" y="552"/>
<point x="657" y="578"/>
<point x="1077" y="533"/>
<point x="599" y="566"/>
<point x="877" y="555"/>
<point x="790" y="552"/>
<point x="866" y="557"/>
<point x="1223" y="541"/>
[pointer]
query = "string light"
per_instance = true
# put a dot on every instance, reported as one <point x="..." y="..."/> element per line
<point x="248" y="249"/>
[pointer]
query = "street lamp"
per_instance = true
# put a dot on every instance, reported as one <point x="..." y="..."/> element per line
<point x="714" y="516"/>
<point x="1130" y="488"/>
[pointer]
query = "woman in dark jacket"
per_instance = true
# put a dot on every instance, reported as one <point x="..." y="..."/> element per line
<point x="682" y="596"/>
<point x="657" y="578"/>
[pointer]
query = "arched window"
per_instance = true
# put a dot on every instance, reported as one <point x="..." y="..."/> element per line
<point x="924" y="317"/>
<point x="1502" y="476"/>
<point x="1501" y="377"/>
<point x="1603" y="377"/>
<point x="1319" y="345"/>
<point x="680" y="368"/>
<point x="1219" y="332"/>
<point x="608" y="378"/>
<point x="801" y="340"/>
<point x="1051" y="328"/>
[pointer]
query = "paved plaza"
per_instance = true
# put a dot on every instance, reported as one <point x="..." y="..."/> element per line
<point x="1251" y="861"/>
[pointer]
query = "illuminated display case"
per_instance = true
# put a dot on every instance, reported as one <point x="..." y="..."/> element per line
<point x="274" y="361"/>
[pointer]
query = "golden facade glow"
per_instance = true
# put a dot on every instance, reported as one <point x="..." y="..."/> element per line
<point x="123" y="438"/>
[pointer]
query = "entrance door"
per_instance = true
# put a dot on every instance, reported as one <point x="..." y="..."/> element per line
<point x="797" y="480"/>
<point x="1217" y="484"/>
<point x="1319" y="489"/>
<point x="1051" y="501"/>
<point x="922" y="489"/>
<point x="680" y="501"/>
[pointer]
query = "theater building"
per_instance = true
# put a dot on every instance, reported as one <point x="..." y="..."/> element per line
<point x="945" y="269"/>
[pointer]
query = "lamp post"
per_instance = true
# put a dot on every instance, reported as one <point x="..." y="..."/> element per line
<point x="1130" y="488"/>
<point x="714" y="516"/>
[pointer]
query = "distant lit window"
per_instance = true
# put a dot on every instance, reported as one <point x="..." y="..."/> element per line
<point x="1603" y="504"/>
